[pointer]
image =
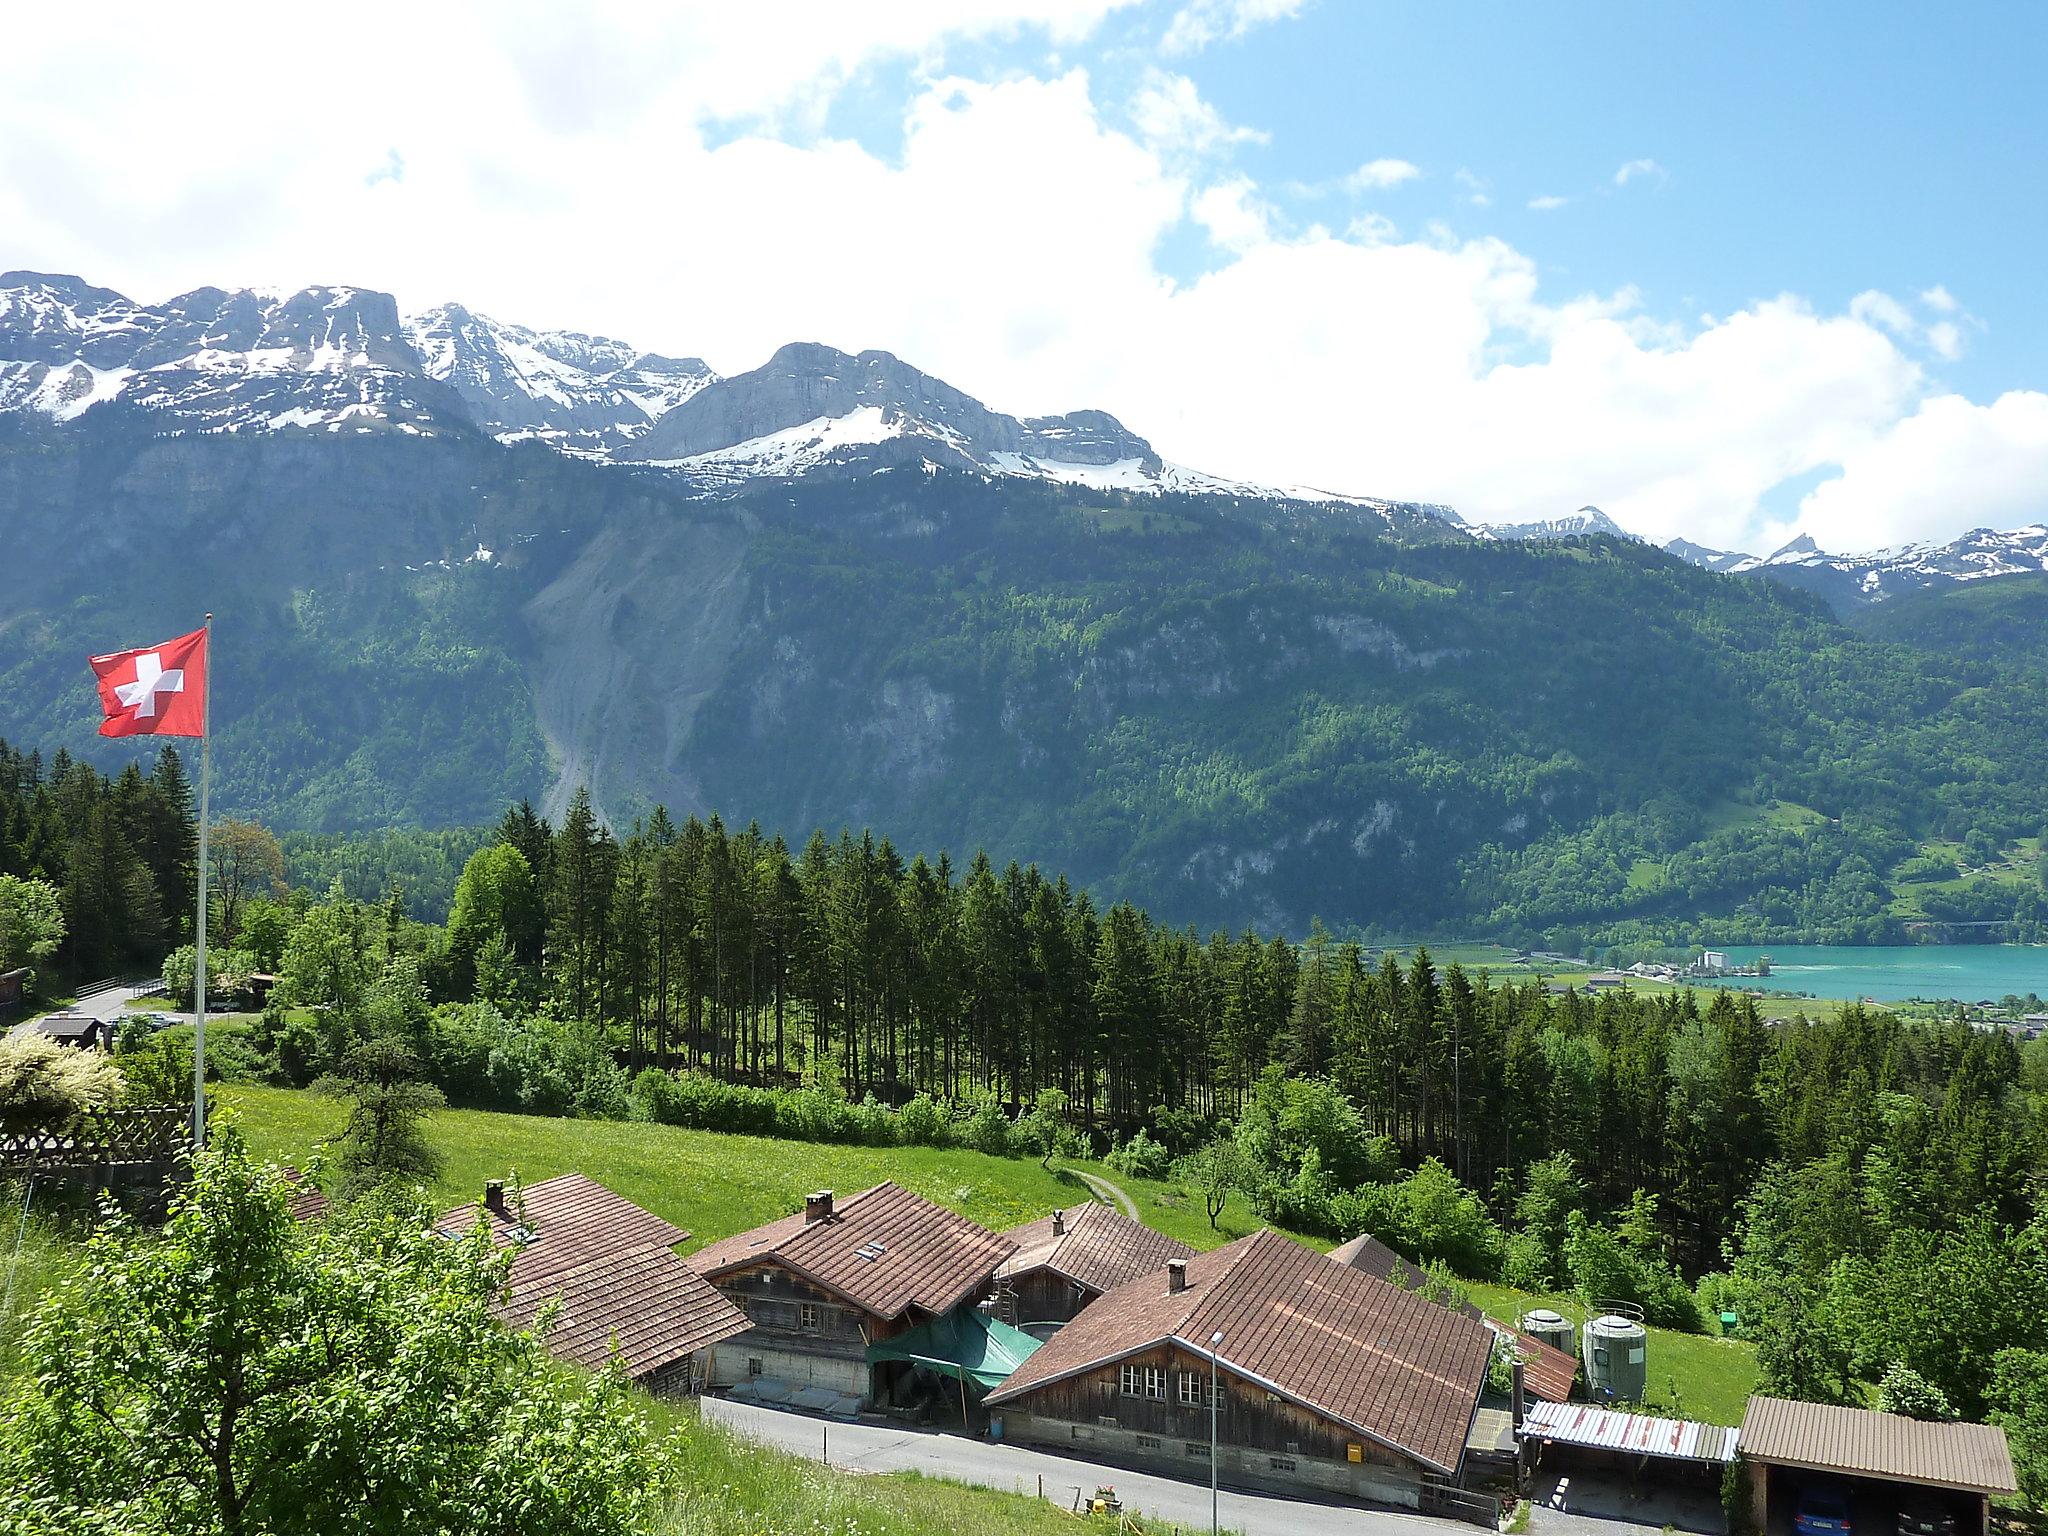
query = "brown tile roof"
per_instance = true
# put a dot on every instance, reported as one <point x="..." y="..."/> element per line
<point x="1368" y="1255"/>
<point x="885" y="1250"/>
<point x="571" y="1199"/>
<point x="657" y="1308"/>
<point x="309" y="1203"/>
<point x="1100" y="1249"/>
<point x="1819" y="1438"/>
<point x="1371" y="1356"/>
<point x="1547" y="1371"/>
<point x="612" y="1266"/>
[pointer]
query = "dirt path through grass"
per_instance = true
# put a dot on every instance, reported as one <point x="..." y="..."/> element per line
<point x="1109" y="1192"/>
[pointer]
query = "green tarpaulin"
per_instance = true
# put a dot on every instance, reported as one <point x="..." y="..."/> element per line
<point x="964" y="1344"/>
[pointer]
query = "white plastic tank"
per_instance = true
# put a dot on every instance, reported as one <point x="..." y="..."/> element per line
<point x="1553" y="1328"/>
<point x="1616" y="1354"/>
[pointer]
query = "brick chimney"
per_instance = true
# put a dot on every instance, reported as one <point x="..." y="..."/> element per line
<point x="494" y="1197"/>
<point x="1176" y="1275"/>
<point x="1059" y="1223"/>
<point x="817" y="1206"/>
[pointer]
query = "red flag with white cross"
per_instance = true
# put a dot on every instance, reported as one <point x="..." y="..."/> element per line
<point x="156" y="690"/>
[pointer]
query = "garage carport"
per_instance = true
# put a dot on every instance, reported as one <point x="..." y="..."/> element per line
<point x="1878" y="1459"/>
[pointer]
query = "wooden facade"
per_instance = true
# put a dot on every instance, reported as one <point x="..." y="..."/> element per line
<point x="1151" y="1410"/>
<point x="801" y="1331"/>
<point x="1041" y="1296"/>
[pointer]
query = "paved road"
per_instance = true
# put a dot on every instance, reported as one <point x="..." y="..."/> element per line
<point x="889" y="1448"/>
<point x="107" y="1005"/>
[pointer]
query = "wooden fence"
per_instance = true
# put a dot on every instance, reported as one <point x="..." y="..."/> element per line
<point x="131" y="1141"/>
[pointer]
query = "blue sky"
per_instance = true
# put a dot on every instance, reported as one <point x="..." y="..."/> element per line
<point x="1728" y="271"/>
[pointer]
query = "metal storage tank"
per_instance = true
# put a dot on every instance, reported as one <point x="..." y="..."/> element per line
<point x="1617" y="1358"/>
<point x="1552" y="1328"/>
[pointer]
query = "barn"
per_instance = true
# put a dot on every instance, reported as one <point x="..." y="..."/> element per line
<point x="611" y="1270"/>
<point x="1328" y="1380"/>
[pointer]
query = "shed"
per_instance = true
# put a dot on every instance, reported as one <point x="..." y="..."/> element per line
<point x="1066" y="1260"/>
<point x="1880" y="1459"/>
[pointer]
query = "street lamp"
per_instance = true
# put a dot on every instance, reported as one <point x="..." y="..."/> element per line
<point x="1215" y="1342"/>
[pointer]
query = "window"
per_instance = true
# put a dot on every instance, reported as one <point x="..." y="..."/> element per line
<point x="753" y="1365"/>
<point x="1148" y="1442"/>
<point x="1083" y="1432"/>
<point x="807" y="1316"/>
<point x="1142" y="1381"/>
<point x="1198" y="1448"/>
<point x="1282" y="1463"/>
<point x="1194" y="1389"/>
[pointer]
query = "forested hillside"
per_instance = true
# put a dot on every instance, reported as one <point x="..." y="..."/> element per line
<point x="1661" y="1150"/>
<point x="1229" y="710"/>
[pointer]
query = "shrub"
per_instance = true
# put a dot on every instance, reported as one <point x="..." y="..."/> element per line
<point x="988" y="1128"/>
<point x="922" y="1123"/>
<point x="1140" y="1158"/>
<point x="44" y="1085"/>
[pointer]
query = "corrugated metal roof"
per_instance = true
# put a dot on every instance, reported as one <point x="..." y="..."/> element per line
<point x="1099" y="1251"/>
<point x="1382" y="1360"/>
<point x="1670" y="1439"/>
<point x="1817" y="1437"/>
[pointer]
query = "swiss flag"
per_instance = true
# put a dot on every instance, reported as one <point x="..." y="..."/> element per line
<point x="157" y="690"/>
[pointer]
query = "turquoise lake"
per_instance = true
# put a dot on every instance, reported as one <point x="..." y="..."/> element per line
<point x="1893" y="973"/>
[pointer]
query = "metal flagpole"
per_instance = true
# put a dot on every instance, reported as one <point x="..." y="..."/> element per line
<point x="199" y="948"/>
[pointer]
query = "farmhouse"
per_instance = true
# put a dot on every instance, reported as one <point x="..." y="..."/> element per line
<point x="1329" y="1379"/>
<point x="1066" y="1260"/>
<point x="612" y="1268"/>
<point x="826" y="1285"/>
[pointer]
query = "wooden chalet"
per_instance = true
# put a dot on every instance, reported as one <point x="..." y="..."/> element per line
<point x="1331" y="1381"/>
<point x="612" y="1267"/>
<point x="824" y="1284"/>
<point x="1066" y="1260"/>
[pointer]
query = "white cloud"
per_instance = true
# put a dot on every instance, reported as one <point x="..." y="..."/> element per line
<point x="1940" y="300"/>
<point x="1944" y="338"/>
<point x="1635" y="169"/>
<point x="1548" y="203"/>
<point x="1233" y="214"/>
<point x="1949" y="465"/>
<point x="1010" y="243"/>
<point x="1475" y="188"/>
<point x="1378" y="175"/>
<point x="1170" y="115"/>
<point x="1202" y="22"/>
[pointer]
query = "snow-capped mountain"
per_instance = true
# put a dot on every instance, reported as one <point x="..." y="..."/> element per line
<point x="332" y="359"/>
<point x="1852" y="580"/>
<point x="581" y="393"/>
<point x="342" y="360"/>
<point x="1723" y="560"/>
<point x="1584" y="523"/>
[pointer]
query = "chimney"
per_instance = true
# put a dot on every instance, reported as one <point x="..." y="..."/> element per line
<point x="817" y="1206"/>
<point x="1518" y="1401"/>
<point x="1176" y="1275"/>
<point x="1059" y="1223"/>
<point x="494" y="1197"/>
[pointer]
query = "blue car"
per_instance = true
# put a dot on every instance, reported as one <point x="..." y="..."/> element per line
<point x="1822" y="1511"/>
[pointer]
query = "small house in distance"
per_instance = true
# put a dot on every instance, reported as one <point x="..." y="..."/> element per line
<point x="1330" y="1380"/>
<point x="612" y="1267"/>
<point x="824" y="1284"/>
<point x="80" y="1031"/>
<point x="1066" y="1260"/>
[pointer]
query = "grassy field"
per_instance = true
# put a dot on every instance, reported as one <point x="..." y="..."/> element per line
<point x="714" y="1185"/>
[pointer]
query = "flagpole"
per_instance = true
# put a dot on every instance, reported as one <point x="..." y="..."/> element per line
<point x="199" y="948"/>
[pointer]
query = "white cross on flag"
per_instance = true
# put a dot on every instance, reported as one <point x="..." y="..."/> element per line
<point x="156" y="690"/>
